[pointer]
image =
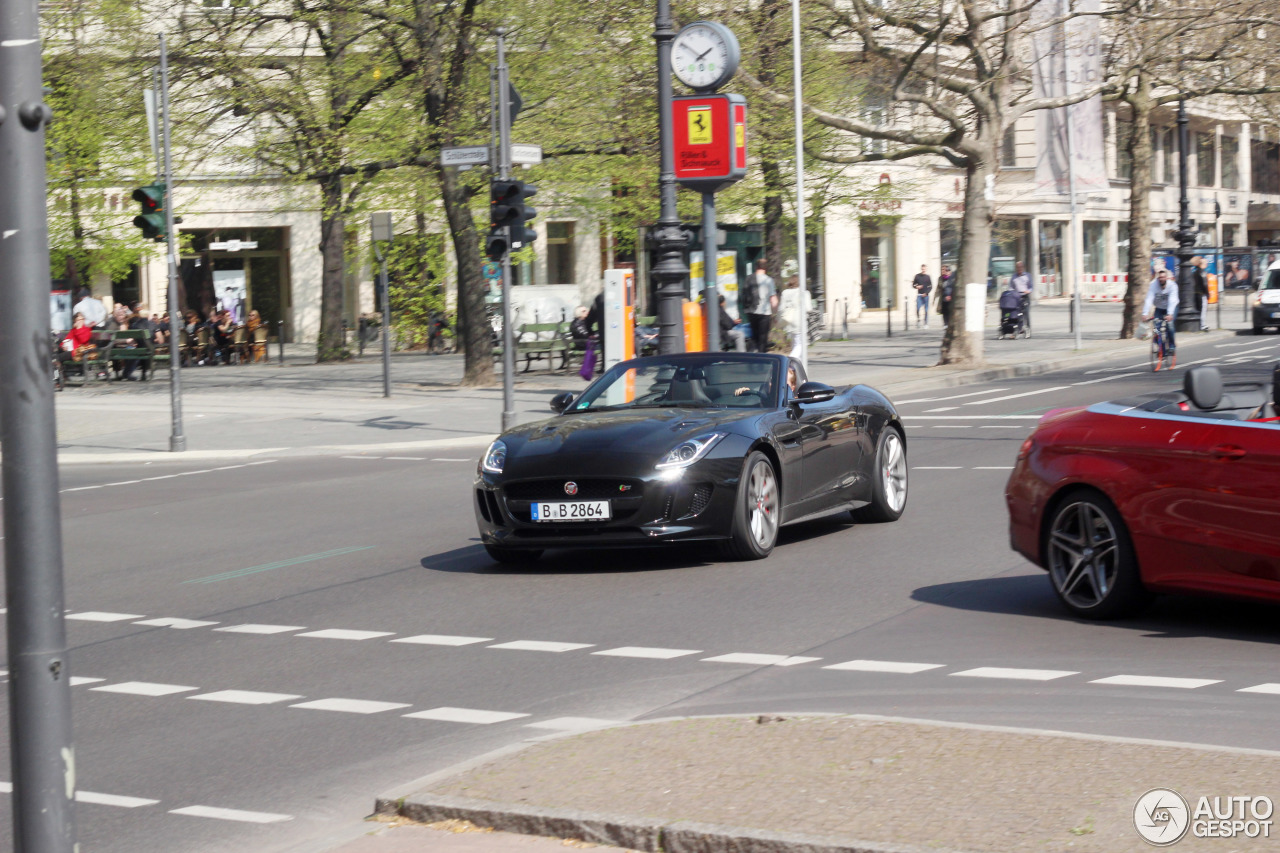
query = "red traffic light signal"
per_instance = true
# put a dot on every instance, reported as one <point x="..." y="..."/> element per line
<point x="152" y="218"/>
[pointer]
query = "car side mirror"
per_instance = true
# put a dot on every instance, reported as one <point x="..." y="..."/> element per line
<point x="814" y="392"/>
<point x="561" y="401"/>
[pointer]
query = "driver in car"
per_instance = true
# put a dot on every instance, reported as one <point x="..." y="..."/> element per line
<point x="763" y="389"/>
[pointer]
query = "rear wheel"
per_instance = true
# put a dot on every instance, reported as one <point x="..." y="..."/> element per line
<point x="1090" y="559"/>
<point x="756" y="513"/>
<point x="889" y="480"/>
<point x="512" y="555"/>
<point x="1157" y="348"/>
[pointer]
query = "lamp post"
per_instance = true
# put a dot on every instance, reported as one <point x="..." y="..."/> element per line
<point x="668" y="238"/>
<point x="1188" y="316"/>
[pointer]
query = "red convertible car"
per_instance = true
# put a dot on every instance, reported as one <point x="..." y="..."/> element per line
<point x="1177" y="491"/>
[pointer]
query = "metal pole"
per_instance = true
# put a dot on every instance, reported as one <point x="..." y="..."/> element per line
<point x="710" y="293"/>
<point x="888" y="317"/>
<point x="1188" y="316"/>
<point x="280" y="339"/>
<point x="504" y="172"/>
<point x="802" y="323"/>
<point x="42" y="758"/>
<point x="1076" y="307"/>
<point x="669" y="238"/>
<point x="906" y="313"/>
<point x="177" y="439"/>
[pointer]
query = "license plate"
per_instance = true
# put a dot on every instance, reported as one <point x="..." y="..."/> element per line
<point x="1275" y="314"/>
<point x="570" y="511"/>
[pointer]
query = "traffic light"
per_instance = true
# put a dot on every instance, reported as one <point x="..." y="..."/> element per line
<point x="508" y="214"/>
<point x="152" y="218"/>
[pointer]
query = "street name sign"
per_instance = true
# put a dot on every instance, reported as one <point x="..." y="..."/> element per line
<point x="471" y="155"/>
<point x="522" y="154"/>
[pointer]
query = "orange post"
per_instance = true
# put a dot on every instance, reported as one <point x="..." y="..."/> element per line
<point x="695" y="331"/>
<point x="1212" y="280"/>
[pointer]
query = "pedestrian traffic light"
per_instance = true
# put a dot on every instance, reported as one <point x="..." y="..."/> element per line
<point x="152" y="218"/>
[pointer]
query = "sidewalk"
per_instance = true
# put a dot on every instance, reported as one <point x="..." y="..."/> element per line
<point x="822" y="784"/>
<point x="303" y="408"/>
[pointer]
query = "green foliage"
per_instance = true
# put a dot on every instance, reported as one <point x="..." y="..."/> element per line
<point x="416" y="267"/>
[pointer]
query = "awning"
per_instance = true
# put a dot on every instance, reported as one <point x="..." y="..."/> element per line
<point x="1264" y="215"/>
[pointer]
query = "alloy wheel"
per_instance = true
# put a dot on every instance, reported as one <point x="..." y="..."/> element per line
<point x="762" y="504"/>
<point x="1083" y="554"/>
<point x="894" y="471"/>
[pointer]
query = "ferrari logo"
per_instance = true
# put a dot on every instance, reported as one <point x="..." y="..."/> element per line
<point x="700" y="126"/>
<point x="570" y="488"/>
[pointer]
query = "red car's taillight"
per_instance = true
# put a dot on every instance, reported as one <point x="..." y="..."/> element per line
<point x="1025" y="448"/>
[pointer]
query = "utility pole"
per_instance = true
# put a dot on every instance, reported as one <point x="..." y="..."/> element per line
<point x="382" y="231"/>
<point x="504" y="172"/>
<point x="177" y="439"/>
<point x="1187" y="318"/>
<point x="668" y="237"/>
<point x="42" y="757"/>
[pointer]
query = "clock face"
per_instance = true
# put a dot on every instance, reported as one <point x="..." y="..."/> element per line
<point x="704" y="55"/>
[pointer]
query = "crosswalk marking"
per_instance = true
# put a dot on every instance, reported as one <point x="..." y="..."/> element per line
<point x="101" y="616"/>
<point x="1271" y="687"/>
<point x="759" y="660"/>
<point x="464" y="715"/>
<point x="885" y="666"/>
<point x="77" y="680"/>
<point x="345" y="634"/>
<point x="144" y="688"/>
<point x="442" y="640"/>
<point x="231" y="814"/>
<point x="351" y="706"/>
<point x="245" y="697"/>
<point x="171" y="622"/>
<point x="1156" y="681"/>
<point x="1019" y="674"/>
<point x="113" y="800"/>
<point x="261" y="629"/>
<point x="645" y="652"/>
<point x="541" y="646"/>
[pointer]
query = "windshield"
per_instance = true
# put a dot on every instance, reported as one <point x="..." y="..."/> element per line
<point x="728" y="383"/>
<point x="1273" y="280"/>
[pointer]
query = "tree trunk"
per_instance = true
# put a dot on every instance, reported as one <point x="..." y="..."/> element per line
<point x="1139" y="207"/>
<point x="774" y="232"/>
<point x="959" y="347"/>
<point x="77" y="257"/>
<point x="330" y="346"/>
<point x="474" y="333"/>
<point x="773" y="53"/>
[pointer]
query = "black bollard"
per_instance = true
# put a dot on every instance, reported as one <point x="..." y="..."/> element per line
<point x="280" y="339"/>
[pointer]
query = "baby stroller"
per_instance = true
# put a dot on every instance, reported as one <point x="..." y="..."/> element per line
<point x="1012" y="320"/>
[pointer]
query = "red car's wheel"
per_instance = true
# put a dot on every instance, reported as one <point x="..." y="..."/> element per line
<point x="1090" y="558"/>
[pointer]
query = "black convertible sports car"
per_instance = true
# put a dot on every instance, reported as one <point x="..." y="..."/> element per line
<point x="700" y="446"/>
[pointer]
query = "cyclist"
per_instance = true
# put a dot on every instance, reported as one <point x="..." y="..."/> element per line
<point x="1162" y="303"/>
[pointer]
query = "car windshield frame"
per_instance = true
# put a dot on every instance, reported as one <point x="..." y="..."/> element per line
<point x="1272" y="281"/>
<point x="728" y="381"/>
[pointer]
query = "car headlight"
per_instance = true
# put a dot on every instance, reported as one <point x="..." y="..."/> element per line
<point x="494" y="458"/>
<point x="689" y="451"/>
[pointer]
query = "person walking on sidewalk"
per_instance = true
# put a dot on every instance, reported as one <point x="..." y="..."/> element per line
<point x="760" y="298"/>
<point x="1198" y="265"/>
<point x="923" y="285"/>
<point x="946" y="293"/>
<point x="1022" y="283"/>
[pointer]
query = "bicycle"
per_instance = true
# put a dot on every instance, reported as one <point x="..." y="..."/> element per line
<point x="1160" y="344"/>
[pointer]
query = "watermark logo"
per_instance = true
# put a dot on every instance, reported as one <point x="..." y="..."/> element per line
<point x="1161" y="817"/>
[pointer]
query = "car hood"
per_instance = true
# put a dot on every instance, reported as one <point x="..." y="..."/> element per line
<point x="623" y="442"/>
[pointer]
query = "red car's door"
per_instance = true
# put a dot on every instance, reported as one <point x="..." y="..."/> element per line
<point x="1238" y="502"/>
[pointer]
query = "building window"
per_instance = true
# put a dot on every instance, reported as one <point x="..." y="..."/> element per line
<point x="1230" y="234"/>
<point x="1204" y="158"/>
<point x="1124" y="157"/>
<point x="1266" y="166"/>
<point x="1231" y="162"/>
<point x="1009" y="148"/>
<point x="1095" y="247"/>
<point x="1051" y="257"/>
<point x="949" y="242"/>
<point x="1122" y="246"/>
<point x="1170" y="155"/>
<point x="560" y="253"/>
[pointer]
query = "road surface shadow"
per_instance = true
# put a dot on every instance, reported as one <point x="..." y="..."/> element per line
<point x="473" y="559"/>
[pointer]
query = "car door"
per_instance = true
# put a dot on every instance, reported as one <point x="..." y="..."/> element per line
<point x="1237" y="482"/>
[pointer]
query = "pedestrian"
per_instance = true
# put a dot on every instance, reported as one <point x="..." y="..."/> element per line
<point x="946" y="293"/>
<point x="95" y="313"/>
<point x="924" y="286"/>
<point x="759" y="300"/>
<point x="789" y="302"/>
<point x="1022" y="283"/>
<point x="1201" y="286"/>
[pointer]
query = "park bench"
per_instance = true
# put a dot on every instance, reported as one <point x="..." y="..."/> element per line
<point x="540" y="340"/>
<point x="123" y="345"/>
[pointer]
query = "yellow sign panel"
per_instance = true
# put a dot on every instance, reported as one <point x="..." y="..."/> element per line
<point x="700" y="126"/>
<point x="740" y="136"/>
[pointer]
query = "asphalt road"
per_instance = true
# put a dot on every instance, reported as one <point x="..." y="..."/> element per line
<point x="303" y="611"/>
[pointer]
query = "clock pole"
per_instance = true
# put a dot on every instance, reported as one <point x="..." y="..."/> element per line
<point x="668" y="238"/>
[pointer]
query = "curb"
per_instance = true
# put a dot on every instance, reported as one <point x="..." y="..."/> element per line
<point x="459" y="442"/>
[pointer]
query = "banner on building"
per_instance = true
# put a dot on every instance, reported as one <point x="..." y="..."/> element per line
<point x="1067" y="60"/>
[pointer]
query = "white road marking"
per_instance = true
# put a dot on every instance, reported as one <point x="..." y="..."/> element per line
<point x="101" y="616"/>
<point x="168" y="476"/>
<point x="759" y="660"/>
<point x="973" y="417"/>
<point x="1271" y="688"/>
<point x="1020" y="674"/>
<point x="449" y="459"/>
<point x="261" y="629"/>
<point x="884" y="666"/>
<point x="645" y="652"/>
<point x="993" y="467"/>
<point x="231" y="814"/>
<point x="952" y="397"/>
<point x="246" y="697"/>
<point x="113" y="800"/>
<point x="442" y="640"/>
<point x="1156" y="681"/>
<point x="407" y="458"/>
<point x="359" y="457"/>
<point x="541" y="646"/>
<point x="1107" y="378"/>
<point x="345" y="634"/>
<point x="1016" y="396"/>
<point x="351" y="706"/>
<point x="465" y="715"/>
<point x="943" y="409"/>
<point x="568" y="724"/>
<point x="6" y="787"/>
<point x="77" y="680"/>
<point x="171" y="622"/>
<point x="937" y="468"/>
<point x="145" y="688"/>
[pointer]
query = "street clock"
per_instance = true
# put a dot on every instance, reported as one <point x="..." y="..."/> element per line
<point x="705" y="55"/>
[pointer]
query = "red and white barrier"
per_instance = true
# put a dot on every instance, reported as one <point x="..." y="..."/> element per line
<point x="1104" y="287"/>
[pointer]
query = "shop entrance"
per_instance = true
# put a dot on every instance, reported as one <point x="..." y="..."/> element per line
<point x="240" y="270"/>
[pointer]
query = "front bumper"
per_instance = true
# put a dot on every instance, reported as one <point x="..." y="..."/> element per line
<point x="1266" y="315"/>
<point x="651" y="510"/>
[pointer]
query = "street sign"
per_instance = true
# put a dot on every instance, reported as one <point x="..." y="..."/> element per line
<point x="525" y="154"/>
<point x="471" y="155"/>
<point x="233" y="245"/>
<point x="710" y="140"/>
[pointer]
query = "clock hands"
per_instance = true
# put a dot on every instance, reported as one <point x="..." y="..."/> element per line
<point x="698" y="58"/>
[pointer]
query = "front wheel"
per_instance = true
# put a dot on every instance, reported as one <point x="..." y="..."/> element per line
<point x="512" y="555"/>
<point x="889" y="480"/>
<point x="756" y="511"/>
<point x="1090" y="559"/>
<point x="1157" y="350"/>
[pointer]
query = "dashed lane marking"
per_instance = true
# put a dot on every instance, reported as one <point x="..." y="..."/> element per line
<point x="645" y="652"/>
<point x="345" y="634"/>
<point x="952" y="397"/>
<point x="943" y="409"/>
<point x="145" y="688"/>
<point x="165" y="476"/>
<point x="442" y="640"/>
<point x="171" y="622"/>
<point x="449" y="459"/>
<point x="1018" y="674"/>
<point x="261" y="629"/>
<point x="1270" y="688"/>
<point x="1107" y="378"/>
<point x="350" y="706"/>
<point x="246" y="697"/>
<point x="113" y="800"/>
<point x="885" y="666"/>
<point x="102" y="616"/>
<point x="759" y="660"/>
<point x="993" y="467"/>
<point x="937" y="468"/>
<point x="464" y="715"/>
<point x="231" y="814"/>
<point x="540" y="646"/>
<point x="1016" y="396"/>
<point x="1156" y="681"/>
<point x="911" y="418"/>
<point x="77" y="680"/>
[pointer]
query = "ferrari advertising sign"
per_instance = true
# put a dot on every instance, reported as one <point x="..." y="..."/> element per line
<point x="710" y="138"/>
